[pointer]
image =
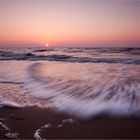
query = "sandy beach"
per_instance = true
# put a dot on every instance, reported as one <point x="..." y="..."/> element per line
<point x="25" y="122"/>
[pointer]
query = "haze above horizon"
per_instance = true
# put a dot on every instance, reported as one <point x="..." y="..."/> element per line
<point x="70" y="23"/>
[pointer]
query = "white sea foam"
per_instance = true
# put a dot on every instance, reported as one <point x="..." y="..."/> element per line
<point x="9" y="103"/>
<point x="83" y="90"/>
<point x="87" y="90"/>
<point x="37" y="134"/>
<point x="9" y="133"/>
<point x="64" y="121"/>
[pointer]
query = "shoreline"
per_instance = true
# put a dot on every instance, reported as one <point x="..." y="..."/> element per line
<point x="50" y="124"/>
<point x="87" y="80"/>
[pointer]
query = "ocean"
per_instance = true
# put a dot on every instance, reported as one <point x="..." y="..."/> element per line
<point x="80" y="82"/>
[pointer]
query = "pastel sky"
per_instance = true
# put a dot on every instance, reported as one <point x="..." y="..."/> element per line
<point x="70" y="22"/>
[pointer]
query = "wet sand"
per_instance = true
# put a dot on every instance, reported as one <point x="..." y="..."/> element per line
<point x="26" y="121"/>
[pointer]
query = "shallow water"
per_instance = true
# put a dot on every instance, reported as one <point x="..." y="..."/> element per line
<point x="82" y="82"/>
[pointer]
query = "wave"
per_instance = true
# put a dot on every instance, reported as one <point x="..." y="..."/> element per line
<point x="103" y="50"/>
<point x="82" y="90"/>
<point x="87" y="90"/>
<point x="64" y="58"/>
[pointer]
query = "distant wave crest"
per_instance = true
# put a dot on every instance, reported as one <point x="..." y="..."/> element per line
<point x="64" y="58"/>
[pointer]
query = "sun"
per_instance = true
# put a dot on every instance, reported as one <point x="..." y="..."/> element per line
<point x="47" y="45"/>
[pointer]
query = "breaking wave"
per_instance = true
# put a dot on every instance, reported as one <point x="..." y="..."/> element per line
<point x="82" y="90"/>
<point x="87" y="90"/>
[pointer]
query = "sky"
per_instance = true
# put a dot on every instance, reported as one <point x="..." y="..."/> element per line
<point x="70" y="23"/>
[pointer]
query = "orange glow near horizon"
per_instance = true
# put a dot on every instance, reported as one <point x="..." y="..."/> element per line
<point x="69" y="22"/>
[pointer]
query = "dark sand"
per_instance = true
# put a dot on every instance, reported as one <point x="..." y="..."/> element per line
<point x="27" y="120"/>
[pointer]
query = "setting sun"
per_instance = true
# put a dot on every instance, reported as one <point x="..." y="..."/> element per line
<point x="47" y="45"/>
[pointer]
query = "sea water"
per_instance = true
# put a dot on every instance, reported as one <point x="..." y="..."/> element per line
<point x="83" y="82"/>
